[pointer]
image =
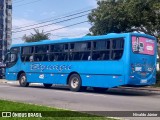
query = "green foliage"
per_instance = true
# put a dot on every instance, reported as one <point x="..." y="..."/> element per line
<point x="36" y="37"/>
<point x="126" y="16"/>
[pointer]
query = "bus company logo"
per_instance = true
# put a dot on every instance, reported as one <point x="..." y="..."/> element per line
<point x="41" y="67"/>
<point x="6" y="114"/>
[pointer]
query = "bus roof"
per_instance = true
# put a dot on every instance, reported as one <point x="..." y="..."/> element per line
<point x="63" y="40"/>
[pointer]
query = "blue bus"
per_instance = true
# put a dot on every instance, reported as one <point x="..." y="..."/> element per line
<point x="100" y="62"/>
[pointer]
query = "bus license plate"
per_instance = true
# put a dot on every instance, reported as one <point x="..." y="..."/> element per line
<point x="143" y="81"/>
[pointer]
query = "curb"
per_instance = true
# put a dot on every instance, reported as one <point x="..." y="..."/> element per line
<point x="15" y="82"/>
<point x="3" y="81"/>
<point x="142" y="88"/>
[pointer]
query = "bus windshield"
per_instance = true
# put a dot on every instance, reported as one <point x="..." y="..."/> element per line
<point x="143" y="45"/>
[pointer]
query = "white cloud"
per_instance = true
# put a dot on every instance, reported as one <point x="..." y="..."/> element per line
<point x="92" y="3"/>
<point x="62" y="33"/>
<point x="22" y="22"/>
<point x="48" y="14"/>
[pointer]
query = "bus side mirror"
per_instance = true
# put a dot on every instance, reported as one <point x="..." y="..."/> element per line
<point x="6" y="58"/>
<point x="5" y="61"/>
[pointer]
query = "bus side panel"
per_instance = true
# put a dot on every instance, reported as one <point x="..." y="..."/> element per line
<point x="47" y="78"/>
<point x="104" y="81"/>
<point x="10" y="75"/>
<point x="102" y="74"/>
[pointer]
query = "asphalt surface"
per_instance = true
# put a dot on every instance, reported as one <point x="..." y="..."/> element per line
<point x="118" y="99"/>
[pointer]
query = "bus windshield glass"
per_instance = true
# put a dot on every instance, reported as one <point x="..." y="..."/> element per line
<point x="143" y="45"/>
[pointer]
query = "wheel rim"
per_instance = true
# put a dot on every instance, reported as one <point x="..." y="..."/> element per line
<point x="74" y="82"/>
<point x="23" y="80"/>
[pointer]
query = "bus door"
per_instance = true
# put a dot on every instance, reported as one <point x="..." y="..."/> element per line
<point x="143" y="61"/>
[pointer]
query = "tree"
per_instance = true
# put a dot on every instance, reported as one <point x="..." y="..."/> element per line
<point x="36" y="37"/>
<point x="110" y="16"/>
<point x="126" y="16"/>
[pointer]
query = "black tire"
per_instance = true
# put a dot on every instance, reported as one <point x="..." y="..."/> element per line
<point x="75" y="83"/>
<point x="47" y="85"/>
<point x="23" y="80"/>
<point x="98" y="89"/>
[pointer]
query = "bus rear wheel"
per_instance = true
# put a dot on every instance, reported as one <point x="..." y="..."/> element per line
<point x="47" y="85"/>
<point x="75" y="82"/>
<point x="23" y="80"/>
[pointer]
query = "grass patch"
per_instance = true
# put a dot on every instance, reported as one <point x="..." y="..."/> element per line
<point x="55" y="113"/>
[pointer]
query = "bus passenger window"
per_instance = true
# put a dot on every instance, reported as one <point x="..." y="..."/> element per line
<point x="108" y="44"/>
<point x="59" y="52"/>
<point x="66" y="48"/>
<point x="118" y="44"/>
<point x="117" y="54"/>
<point x="89" y="46"/>
<point x="118" y="48"/>
<point x="41" y="53"/>
<point x="42" y="49"/>
<point x="101" y="50"/>
<point x="86" y="56"/>
<point x="58" y="48"/>
<point x="26" y="53"/>
<point x="52" y="48"/>
<point x="52" y="57"/>
<point x="71" y="47"/>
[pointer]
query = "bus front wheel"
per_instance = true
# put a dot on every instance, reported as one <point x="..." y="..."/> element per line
<point x="47" y="85"/>
<point x="23" y="80"/>
<point x="75" y="82"/>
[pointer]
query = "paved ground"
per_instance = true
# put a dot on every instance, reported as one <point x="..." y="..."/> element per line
<point x="120" y="99"/>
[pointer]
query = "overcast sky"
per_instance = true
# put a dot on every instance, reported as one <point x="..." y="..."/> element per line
<point x="27" y="12"/>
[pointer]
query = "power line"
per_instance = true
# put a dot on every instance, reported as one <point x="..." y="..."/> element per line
<point x="65" y="26"/>
<point x="52" y="35"/>
<point x="59" y="28"/>
<point x="51" y="23"/>
<point x="58" y="17"/>
<point x="54" y="19"/>
<point x="17" y="1"/>
<point x="27" y="3"/>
